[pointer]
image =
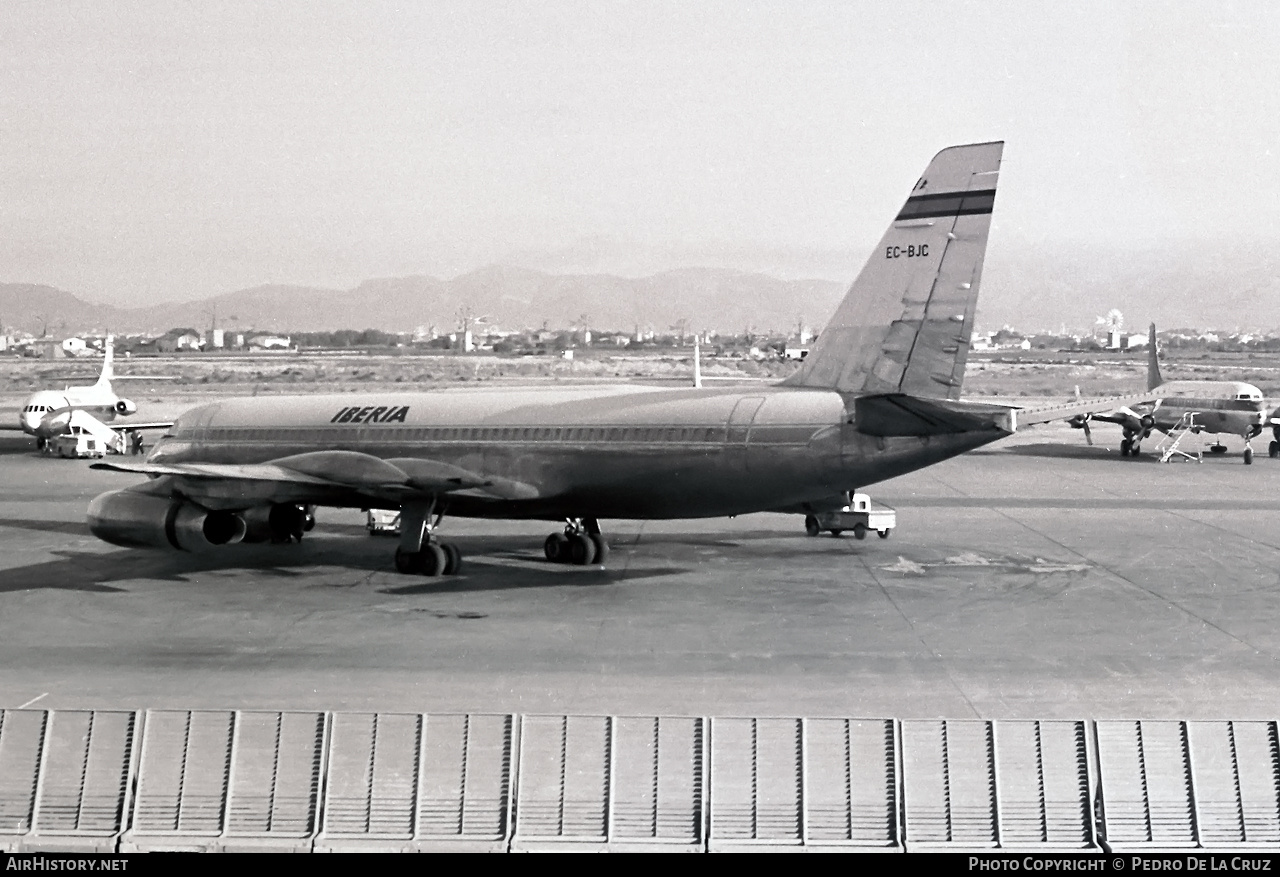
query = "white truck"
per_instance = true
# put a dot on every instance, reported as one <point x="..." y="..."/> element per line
<point x="78" y="442"/>
<point x="380" y="522"/>
<point x="857" y="516"/>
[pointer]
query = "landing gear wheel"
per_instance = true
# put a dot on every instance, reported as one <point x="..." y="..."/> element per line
<point x="601" y="546"/>
<point x="1248" y="456"/>
<point x="1134" y="450"/>
<point x="811" y="523"/>
<point x="1217" y="449"/>
<point x="1273" y="450"/>
<point x="859" y="530"/>
<point x="434" y="560"/>
<point x="582" y="551"/>
<point x="884" y="534"/>
<point x="556" y="547"/>
<point x="1125" y="444"/>
<point x="453" y="559"/>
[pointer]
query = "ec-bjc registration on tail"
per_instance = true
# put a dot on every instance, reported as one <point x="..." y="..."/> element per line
<point x="878" y="396"/>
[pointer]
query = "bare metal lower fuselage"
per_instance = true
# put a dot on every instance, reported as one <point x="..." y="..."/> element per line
<point x="612" y="452"/>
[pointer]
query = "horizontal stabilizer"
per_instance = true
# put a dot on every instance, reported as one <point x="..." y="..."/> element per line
<point x="901" y="415"/>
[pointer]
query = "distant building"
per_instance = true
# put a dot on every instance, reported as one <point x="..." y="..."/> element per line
<point x="215" y="339"/>
<point x="270" y="342"/>
<point x="75" y="347"/>
<point x="796" y="348"/>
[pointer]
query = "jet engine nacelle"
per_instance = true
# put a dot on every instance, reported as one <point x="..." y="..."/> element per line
<point x="145" y="520"/>
<point x="126" y="406"/>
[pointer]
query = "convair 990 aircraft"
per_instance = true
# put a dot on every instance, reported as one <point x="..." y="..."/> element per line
<point x="49" y="413"/>
<point x="878" y="396"/>
<point x="1216" y="407"/>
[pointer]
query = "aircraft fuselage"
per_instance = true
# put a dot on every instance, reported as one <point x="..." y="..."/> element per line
<point x="612" y="452"/>
<point x="1230" y="408"/>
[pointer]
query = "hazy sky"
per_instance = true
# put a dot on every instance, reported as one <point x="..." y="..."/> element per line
<point x="174" y="150"/>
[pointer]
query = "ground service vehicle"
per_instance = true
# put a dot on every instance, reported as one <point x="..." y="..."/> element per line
<point x="78" y="443"/>
<point x="857" y="516"/>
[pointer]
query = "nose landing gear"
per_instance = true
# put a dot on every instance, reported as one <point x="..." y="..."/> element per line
<point x="419" y="552"/>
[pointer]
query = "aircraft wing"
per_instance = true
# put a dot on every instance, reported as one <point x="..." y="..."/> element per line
<point x="1105" y="408"/>
<point x="332" y="471"/>
<point x="154" y="424"/>
<point x="10" y="427"/>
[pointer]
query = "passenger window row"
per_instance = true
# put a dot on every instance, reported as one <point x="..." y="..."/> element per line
<point x="773" y="434"/>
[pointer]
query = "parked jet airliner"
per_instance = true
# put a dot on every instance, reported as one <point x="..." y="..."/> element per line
<point x="1216" y="407"/>
<point x="878" y="396"/>
<point x="48" y="413"/>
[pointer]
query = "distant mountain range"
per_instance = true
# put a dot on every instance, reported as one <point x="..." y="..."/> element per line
<point x="511" y="298"/>
<point x="1029" y="286"/>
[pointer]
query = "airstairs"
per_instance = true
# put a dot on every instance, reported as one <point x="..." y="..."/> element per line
<point x="1171" y="445"/>
<point x="110" y="439"/>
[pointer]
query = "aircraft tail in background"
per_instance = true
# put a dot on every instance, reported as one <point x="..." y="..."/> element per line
<point x="1153" y="361"/>
<point x="108" y="365"/>
<point x="906" y="324"/>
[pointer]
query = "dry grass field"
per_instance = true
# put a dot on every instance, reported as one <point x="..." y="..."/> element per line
<point x="1004" y="374"/>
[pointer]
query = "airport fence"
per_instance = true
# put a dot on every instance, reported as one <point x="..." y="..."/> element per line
<point x="229" y="780"/>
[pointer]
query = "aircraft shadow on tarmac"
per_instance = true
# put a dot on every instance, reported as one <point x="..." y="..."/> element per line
<point x="483" y="570"/>
<point x="1074" y="452"/>
<point x="92" y="571"/>
<point x="477" y="575"/>
<point x="79" y="528"/>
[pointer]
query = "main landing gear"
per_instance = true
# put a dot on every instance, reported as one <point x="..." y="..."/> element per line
<point x="1130" y="447"/>
<point x="581" y="544"/>
<point x="419" y="552"/>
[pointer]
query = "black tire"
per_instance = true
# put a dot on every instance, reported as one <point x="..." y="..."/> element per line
<point x="555" y="547"/>
<point x="884" y="534"/>
<point x="1248" y="456"/>
<point x="1273" y="450"/>
<point x="859" y="530"/>
<point x="453" y="559"/>
<point x="1124" y="447"/>
<point x="811" y="525"/>
<point x="1134" y="450"/>
<point x="582" y="551"/>
<point x="602" y="548"/>
<point x="434" y="560"/>
<point x="407" y="562"/>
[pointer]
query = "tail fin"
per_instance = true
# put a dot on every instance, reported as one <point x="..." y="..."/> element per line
<point x="906" y="323"/>
<point x="1153" y="361"/>
<point x="108" y="365"/>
